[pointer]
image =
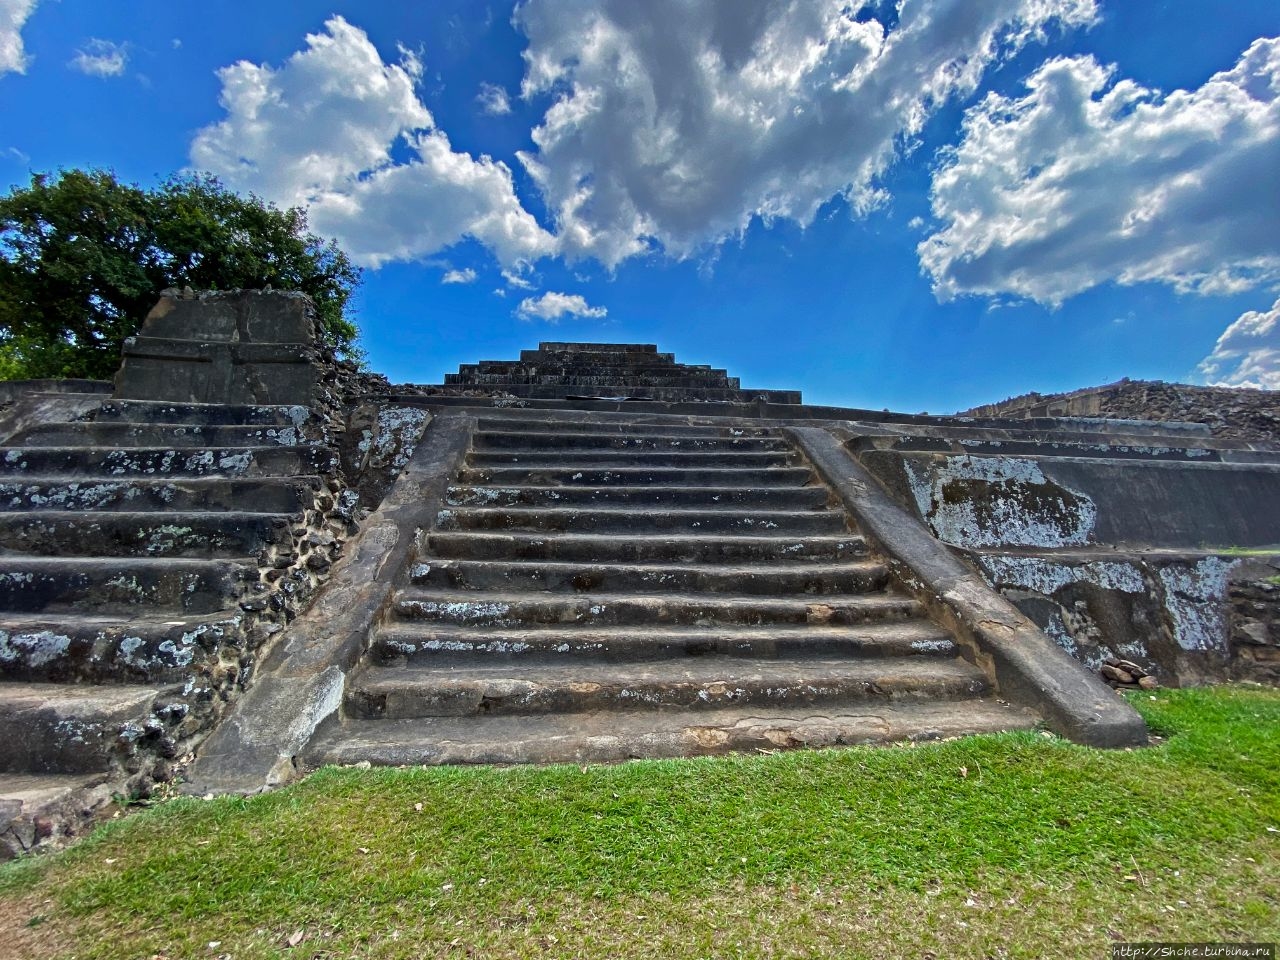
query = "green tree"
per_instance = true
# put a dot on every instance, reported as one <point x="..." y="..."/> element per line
<point x="83" y="257"/>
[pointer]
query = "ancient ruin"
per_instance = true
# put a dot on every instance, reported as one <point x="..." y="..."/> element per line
<point x="243" y="560"/>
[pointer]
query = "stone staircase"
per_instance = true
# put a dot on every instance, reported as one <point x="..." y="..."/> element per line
<point x="145" y="549"/>
<point x="595" y="590"/>
<point x="630" y="370"/>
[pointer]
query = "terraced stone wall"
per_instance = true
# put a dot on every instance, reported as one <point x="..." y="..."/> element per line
<point x="1157" y="553"/>
<point x="1228" y="412"/>
<point x="158" y="540"/>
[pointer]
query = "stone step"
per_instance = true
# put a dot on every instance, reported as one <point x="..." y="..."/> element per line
<point x="768" y="522"/>
<point x="817" y="579"/>
<point x="400" y="641"/>
<point x="671" y="379"/>
<point x="78" y="647"/>
<point x="120" y="585"/>
<point x="1156" y="449"/>
<point x="63" y="728"/>
<point x="560" y="391"/>
<point x="582" y="461"/>
<point x="183" y="435"/>
<point x="695" y="684"/>
<point x="598" y="548"/>
<point x="598" y="353"/>
<point x="583" y="346"/>
<point x="152" y="534"/>
<point x="625" y="363"/>
<point x="768" y="498"/>
<point x="590" y="443"/>
<point x="31" y="805"/>
<point x="463" y="607"/>
<point x="621" y="371"/>
<point x="570" y="473"/>
<point x="202" y="414"/>
<point x="608" y="736"/>
<point x="1067" y="433"/>
<point x="578" y="361"/>
<point x="271" y="461"/>
<point x="620" y="426"/>
<point x="266" y="494"/>
<point x="577" y="346"/>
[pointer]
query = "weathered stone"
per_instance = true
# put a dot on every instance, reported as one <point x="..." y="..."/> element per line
<point x="1118" y="675"/>
<point x="233" y="348"/>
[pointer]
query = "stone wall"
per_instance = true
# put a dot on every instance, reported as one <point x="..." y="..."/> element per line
<point x="1168" y="614"/>
<point x="1254" y="611"/>
<point x="1164" y="563"/>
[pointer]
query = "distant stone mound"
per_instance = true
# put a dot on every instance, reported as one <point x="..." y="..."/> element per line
<point x="632" y="371"/>
<point x="1237" y="414"/>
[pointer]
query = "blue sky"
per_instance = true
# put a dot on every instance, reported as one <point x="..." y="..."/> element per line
<point x="921" y="205"/>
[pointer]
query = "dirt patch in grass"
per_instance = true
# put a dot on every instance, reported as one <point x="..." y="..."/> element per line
<point x="25" y="930"/>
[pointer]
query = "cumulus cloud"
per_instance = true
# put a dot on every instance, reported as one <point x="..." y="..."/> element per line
<point x="1248" y="352"/>
<point x="101" y="58"/>
<point x="520" y="276"/>
<point x="493" y="100"/>
<point x="756" y="108"/>
<point x="13" y="16"/>
<point x="1089" y="178"/>
<point x="552" y="306"/>
<point x="466" y="275"/>
<point x="319" y="131"/>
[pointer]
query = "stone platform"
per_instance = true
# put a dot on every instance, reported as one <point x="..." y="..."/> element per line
<point x="592" y="553"/>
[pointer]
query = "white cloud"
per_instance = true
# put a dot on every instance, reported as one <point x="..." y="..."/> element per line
<point x="493" y="100"/>
<point x="520" y="276"/>
<point x="13" y="15"/>
<point x="411" y="61"/>
<point x="466" y="275"/>
<point x="1248" y="352"/>
<point x="1088" y="179"/>
<point x="101" y="58"/>
<point x="756" y="108"/>
<point x="318" y="132"/>
<point x="552" y="306"/>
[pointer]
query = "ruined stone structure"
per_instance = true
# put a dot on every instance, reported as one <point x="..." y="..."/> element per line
<point x="223" y="577"/>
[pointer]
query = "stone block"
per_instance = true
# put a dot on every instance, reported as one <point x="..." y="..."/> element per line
<point x="241" y="347"/>
<point x="239" y="316"/>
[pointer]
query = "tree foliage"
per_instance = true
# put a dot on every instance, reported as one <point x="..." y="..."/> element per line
<point x="83" y="257"/>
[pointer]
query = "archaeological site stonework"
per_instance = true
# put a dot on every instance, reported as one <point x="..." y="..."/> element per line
<point x="244" y="559"/>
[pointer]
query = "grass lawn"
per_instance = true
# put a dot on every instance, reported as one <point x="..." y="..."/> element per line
<point x="1018" y="845"/>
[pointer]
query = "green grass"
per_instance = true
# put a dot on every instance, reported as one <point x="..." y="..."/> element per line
<point x="1245" y="551"/>
<point x="1017" y="845"/>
